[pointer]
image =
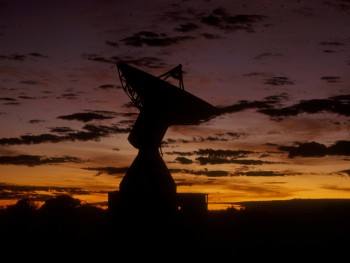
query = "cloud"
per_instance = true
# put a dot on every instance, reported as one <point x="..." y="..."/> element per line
<point x="269" y="79"/>
<point x="183" y="160"/>
<point x="341" y="147"/>
<point x="148" y="38"/>
<point x="109" y="86"/>
<point x="331" y="43"/>
<point x="149" y="61"/>
<point x="187" y="27"/>
<point x="30" y="82"/>
<point x="336" y="104"/>
<point x="15" y="57"/>
<point x="111" y="43"/>
<point x="267" y="55"/>
<point x="107" y="170"/>
<point x="181" y="153"/>
<point x="34" y="160"/>
<point x="222" y="153"/>
<point x="9" y="101"/>
<point x="94" y="132"/>
<point x="181" y="182"/>
<point x="221" y="19"/>
<point x="216" y="160"/>
<point x="209" y="173"/>
<point x="30" y="139"/>
<point x="68" y="96"/>
<point x="277" y="99"/>
<point x="329" y="51"/>
<point x="26" y="97"/>
<point x="215" y="157"/>
<point x="87" y="116"/>
<point x="213" y="173"/>
<point x="263" y="173"/>
<point x="243" y="105"/>
<point x="331" y="79"/>
<point x="106" y="130"/>
<point x="37" y="55"/>
<point x="278" y="81"/>
<point x="98" y="58"/>
<point x="256" y="74"/>
<point x="222" y="137"/>
<point x="61" y="129"/>
<point x="346" y="172"/>
<point x="13" y="191"/>
<point x="213" y="153"/>
<point x="314" y="149"/>
<point x="340" y="5"/>
<point x="21" y="57"/>
<point x="210" y="36"/>
<point x="336" y="188"/>
<point x="220" y="173"/>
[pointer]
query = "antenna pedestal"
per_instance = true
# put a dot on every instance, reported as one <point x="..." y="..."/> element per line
<point x="148" y="188"/>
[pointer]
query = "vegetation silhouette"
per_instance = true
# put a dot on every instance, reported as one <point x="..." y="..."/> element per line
<point x="66" y="228"/>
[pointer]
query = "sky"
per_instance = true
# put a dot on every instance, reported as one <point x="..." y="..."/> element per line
<point x="279" y="70"/>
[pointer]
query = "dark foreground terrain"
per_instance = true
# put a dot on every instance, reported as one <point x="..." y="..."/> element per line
<point x="63" y="229"/>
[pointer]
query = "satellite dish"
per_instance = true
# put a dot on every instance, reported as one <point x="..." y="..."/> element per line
<point x="161" y="104"/>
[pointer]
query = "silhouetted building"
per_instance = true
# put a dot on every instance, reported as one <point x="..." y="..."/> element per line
<point x="188" y="204"/>
<point x="192" y="204"/>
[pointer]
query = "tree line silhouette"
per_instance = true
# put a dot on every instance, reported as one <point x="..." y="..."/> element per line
<point x="67" y="228"/>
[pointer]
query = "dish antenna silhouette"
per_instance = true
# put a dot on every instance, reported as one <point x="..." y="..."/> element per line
<point x="147" y="182"/>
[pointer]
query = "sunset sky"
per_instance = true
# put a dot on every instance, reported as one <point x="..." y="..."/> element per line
<point x="280" y="70"/>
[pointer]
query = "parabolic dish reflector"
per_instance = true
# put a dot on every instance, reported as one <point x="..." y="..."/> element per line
<point x="161" y="98"/>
